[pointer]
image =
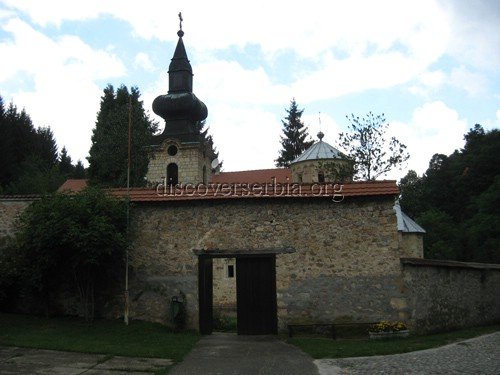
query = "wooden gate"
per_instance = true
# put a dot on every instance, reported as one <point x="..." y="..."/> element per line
<point x="205" y="294"/>
<point x="256" y="295"/>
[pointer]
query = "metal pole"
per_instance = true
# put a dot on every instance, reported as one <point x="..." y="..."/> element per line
<point x="125" y="315"/>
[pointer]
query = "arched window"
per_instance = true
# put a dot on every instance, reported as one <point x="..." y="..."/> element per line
<point x="172" y="174"/>
<point x="205" y="175"/>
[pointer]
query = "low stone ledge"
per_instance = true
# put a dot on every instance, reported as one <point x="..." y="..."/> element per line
<point x="448" y="263"/>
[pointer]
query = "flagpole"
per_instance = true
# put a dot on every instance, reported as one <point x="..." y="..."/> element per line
<point x="126" y="312"/>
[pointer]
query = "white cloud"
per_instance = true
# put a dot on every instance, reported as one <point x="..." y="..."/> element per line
<point x="309" y="29"/>
<point x="338" y="47"/>
<point x="54" y="12"/>
<point x="434" y="128"/>
<point x="476" y="31"/>
<point x="64" y="70"/>
<point x="473" y="83"/>
<point x="143" y="61"/>
<point x="246" y="137"/>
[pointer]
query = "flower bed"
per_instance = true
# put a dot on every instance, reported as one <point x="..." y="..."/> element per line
<point x="386" y="330"/>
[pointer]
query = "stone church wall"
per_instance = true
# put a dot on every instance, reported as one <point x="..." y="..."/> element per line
<point x="345" y="265"/>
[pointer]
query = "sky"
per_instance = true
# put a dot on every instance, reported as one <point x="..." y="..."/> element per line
<point x="432" y="67"/>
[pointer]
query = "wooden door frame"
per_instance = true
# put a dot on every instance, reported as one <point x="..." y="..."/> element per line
<point x="205" y="308"/>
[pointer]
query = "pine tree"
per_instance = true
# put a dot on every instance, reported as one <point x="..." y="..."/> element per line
<point x="79" y="171"/>
<point x="28" y="156"/>
<point x="294" y="140"/>
<point x="66" y="167"/>
<point x="108" y="155"/>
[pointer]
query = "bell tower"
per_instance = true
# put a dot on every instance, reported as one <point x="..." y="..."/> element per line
<point x="182" y="153"/>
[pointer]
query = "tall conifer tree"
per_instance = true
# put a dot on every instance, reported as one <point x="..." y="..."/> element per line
<point x="293" y="142"/>
<point x="108" y="155"/>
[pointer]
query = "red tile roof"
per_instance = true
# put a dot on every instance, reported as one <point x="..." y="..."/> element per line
<point x="262" y="176"/>
<point x="73" y="185"/>
<point x="240" y="188"/>
<point x="257" y="190"/>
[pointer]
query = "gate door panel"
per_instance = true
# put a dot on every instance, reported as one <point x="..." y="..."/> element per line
<point x="256" y="295"/>
<point x="205" y="294"/>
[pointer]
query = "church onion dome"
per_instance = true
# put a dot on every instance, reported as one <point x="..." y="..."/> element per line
<point x="180" y="102"/>
<point x="183" y="105"/>
<point x="318" y="151"/>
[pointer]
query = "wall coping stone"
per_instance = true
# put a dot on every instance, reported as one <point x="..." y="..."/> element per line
<point x="448" y="264"/>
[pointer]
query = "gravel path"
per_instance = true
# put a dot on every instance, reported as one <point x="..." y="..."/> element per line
<point x="480" y="355"/>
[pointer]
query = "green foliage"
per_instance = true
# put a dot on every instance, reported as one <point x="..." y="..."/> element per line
<point x="366" y="144"/>
<point x="77" y="239"/>
<point x="483" y="226"/>
<point x="293" y="142"/>
<point x="79" y="171"/>
<point x="441" y="240"/>
<point x="11" y="264"/>
<point x="29" y="162"/>
<point x="457" y="200"/>
<point x="108" y="155"/>
<point x="66" y="167"/>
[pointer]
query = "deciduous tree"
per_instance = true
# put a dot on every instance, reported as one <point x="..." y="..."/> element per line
<point x="77" y="240"/>
<point x="366" y="144"/>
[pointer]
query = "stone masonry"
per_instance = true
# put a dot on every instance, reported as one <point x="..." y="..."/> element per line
<point x="446" y="295"/>
<point x="224" y="286"/>
<point x="193" y="162"/>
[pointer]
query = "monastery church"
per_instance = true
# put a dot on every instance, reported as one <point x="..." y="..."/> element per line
<point x="274" y="247"/>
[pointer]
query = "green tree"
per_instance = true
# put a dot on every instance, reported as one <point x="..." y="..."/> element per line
<point x="456" y="200"/>
<point x="483" y="225"/>
<point x="66" y="167"/>
<point x="366" y="144"/>
<point x="442" y="237"/>
<point x="108" y="155"/>
<point x="80" y="237"/>
<point x="293" y="142"/>
<point x="17" y="142"/>
<point x="79" y="171"/>
<point x="412" y="190"/>
<point x="28" y="156"/>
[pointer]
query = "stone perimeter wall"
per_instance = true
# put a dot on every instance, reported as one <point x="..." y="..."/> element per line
<point x="345" y="265"/>
<point x="445" y="295"/>
<point x="10" y="209"/>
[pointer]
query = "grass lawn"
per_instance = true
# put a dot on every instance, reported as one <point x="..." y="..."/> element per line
<point x="328" y="348"/>
<point x="113" y="337"/>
